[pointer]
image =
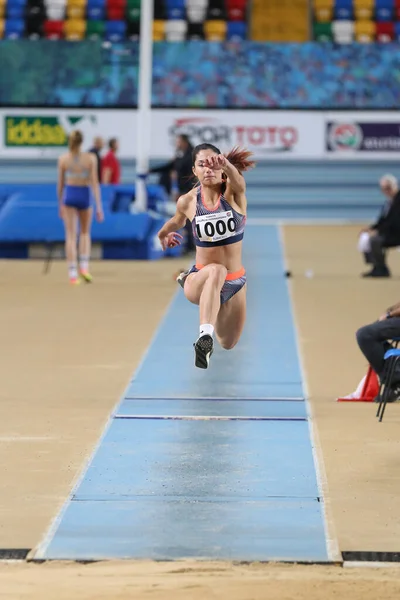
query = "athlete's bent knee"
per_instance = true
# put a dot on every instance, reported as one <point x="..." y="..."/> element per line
<point x="217" y="272"/>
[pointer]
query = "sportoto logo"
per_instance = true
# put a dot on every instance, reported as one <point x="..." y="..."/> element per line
<point x="261" y="138"/>
<point x="345" y="136"/>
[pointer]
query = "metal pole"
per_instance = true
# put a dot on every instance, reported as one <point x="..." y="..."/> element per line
<point x="143" y="122"/>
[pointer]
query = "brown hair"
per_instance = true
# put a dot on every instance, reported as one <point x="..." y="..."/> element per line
<point x="239" y="158"/>
<point x="75" y="139"/>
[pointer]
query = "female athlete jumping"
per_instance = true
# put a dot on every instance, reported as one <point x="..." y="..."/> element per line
<point x="217" y="210"/>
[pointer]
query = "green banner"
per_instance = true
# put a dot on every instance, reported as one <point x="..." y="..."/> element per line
<point x="26" y="132"/>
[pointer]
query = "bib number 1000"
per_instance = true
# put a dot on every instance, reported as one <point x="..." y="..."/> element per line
<point x="218" y="228"/>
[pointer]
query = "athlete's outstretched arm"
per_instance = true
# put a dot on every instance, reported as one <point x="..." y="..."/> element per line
<point x="176" y="222"/>
<point x="236" y="181"/>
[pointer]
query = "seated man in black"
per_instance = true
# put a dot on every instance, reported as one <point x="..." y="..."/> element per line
<point x="374" y="341"/>
<point x="385" y="233"/>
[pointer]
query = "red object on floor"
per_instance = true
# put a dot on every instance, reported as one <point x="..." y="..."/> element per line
<point x="367" y="389"/>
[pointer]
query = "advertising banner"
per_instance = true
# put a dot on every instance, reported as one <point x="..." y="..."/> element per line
<point x="362" y="135"/>
<point x="28" y="133"/>
<point x="270" y="135"/>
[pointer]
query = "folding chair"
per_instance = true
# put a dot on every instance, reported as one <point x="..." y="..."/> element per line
<point x="392" y="357"/>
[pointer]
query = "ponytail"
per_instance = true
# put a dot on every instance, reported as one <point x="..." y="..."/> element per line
<point x="75" y="140"/>
<point x="239" y="158"/>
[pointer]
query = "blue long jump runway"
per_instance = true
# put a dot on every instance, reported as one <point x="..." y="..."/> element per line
<point x="206" y="464"/>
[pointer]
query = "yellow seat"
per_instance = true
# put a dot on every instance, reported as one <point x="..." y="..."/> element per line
<point x="74" y="29"/>
<point x="365" y="31"/>
<point x="76" y="9"/>
<point x="280" y="20"/>
<point x="1" y="28"/>
<point x="363" y="10"/>
<point x="158" y="31"/>
<point x="215" y="30"/>
<point x="2" y="8"/>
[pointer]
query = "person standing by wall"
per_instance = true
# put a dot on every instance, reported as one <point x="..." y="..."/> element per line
<point x="98" y="145"/>
<point x="110" y="165"/>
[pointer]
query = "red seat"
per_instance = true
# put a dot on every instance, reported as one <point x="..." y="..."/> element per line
<point x="385" y="32"/>
<point x="397" y="9"/>
<point x="236" y="14"/>
<point x="53" y="30"/>
<point x="116" y="10"/>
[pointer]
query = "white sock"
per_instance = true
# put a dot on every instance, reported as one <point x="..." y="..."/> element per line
<point x="84" y="263"/>
<point x="72" y="271"/>
<point x="206" y="329"/>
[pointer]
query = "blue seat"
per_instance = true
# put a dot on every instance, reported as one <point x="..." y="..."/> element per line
<point x="14" y="28"/>
<point x="175" y="9"/>
<point x="96" y="10"/>
<point x="343" y="10"/>
<point x="397" y="31"/>
<point x="384" y="10"/>
<point x="236" y="30"/>
<point x="115" y="31"/>
<point x="15" y="9"/>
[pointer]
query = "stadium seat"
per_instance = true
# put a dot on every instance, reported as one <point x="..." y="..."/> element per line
<point x="365" y="31"/>
<point x="34" y="27"/>
<point x="175" y="30"/>
<point x="133" y="30"/>
<point x="56" y="10"/>
<point x="323" y="32"/>
<point x="96" y="10"/>
<point x="115" y="10"/>
<point x="15" y="9"/>
<point x="343" y="10"/>
<point x="363" y="9"/>
<point x="76" y="9"/>
<point x="133" y="10"/>
<point x="195" y="31"/>
<point x="384" y="10"/>
<point x="196" y="14"/>
<point x="95" y="30"/>
<point x="343" y="31"/>
<point x="237" y="30"/>
<point x="175" y="9"/>
<point x="397" y="31"/>
<point x="115" y="31"/>
<point x="159" y="10"/>
<point x="35" y="8"/>
<point x="2" y="9"/>
<point x="53" y="30"/>
<point x="1" y="28"/>
<point x="397" y="9"/>
<point x="14" y="29"/>
<point x="385" y="32"/>
<point x="215" y="30"/>
<point x="323" y="10"/>
<point x="236" y="10"/>
<point x="216" y="10"/>
<point x="74" y="29"/>
<point x="158" y="31"/>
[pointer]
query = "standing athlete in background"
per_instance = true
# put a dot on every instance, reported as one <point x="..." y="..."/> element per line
<point x="216" y="209"/>
<point x="77" y="173"/>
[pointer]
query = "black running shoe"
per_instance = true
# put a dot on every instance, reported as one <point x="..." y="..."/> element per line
<point x="182" y="277"/>
<point x="203" y="349"/>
